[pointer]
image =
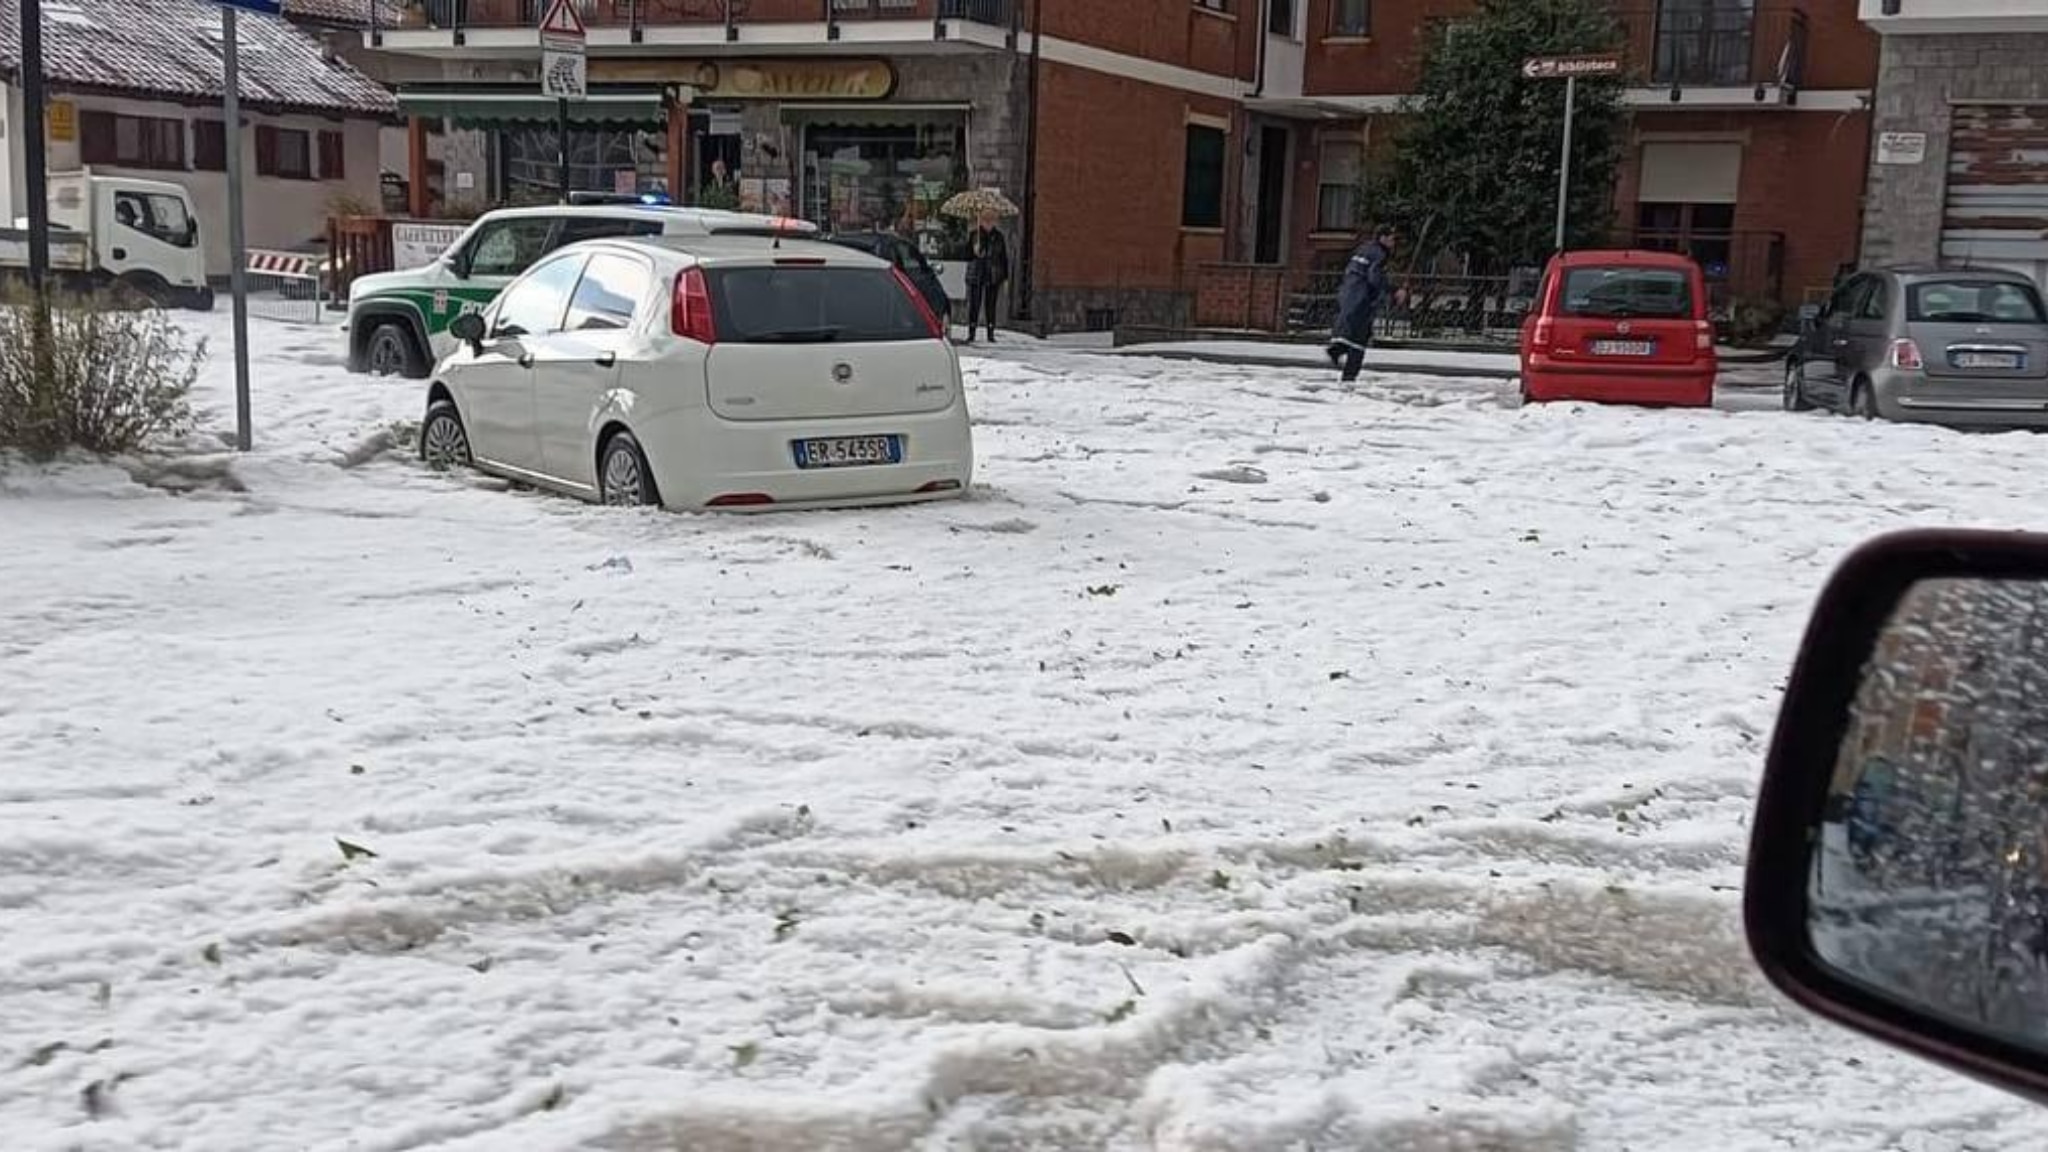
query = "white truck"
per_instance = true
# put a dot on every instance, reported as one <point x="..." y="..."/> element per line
<point x="117" y="230"/>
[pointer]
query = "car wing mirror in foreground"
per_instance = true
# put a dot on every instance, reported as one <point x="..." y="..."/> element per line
<point x="1898" y="871"/>
<point x="468" y="327"/>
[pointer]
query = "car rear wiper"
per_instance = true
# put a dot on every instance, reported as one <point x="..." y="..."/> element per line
<point x="797" y="336"/>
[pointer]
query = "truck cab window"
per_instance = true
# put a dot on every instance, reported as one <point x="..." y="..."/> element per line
<point x="158" y="216"/>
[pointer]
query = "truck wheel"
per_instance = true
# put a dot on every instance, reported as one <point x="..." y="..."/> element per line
<point x="145" y="290"/>
<point x="391" y="351"/>
<point x="199" y="299"/>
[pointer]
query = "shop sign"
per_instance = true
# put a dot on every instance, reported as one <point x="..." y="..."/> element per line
<point x="1902" y="147"/>
<point x="759" y="79"/>
<point x="417" y="245"/>
<point x="63" y="121"/>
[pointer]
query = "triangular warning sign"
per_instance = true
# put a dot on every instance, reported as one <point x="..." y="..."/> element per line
<point x="562" y="20"/>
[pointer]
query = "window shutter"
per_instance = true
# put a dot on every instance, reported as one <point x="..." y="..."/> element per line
<point x="333" y="156"/>
<point x="209" y="146"/>
<point x="96" y="137"/>
<point x="266" y="150"/>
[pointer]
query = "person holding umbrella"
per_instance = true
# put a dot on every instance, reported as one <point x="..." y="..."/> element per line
<point x="988" y="254"/>
<point x="1359" y="296"/>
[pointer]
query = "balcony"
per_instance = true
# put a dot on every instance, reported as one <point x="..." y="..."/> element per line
<point x="1696" y="55"/>
<point x="733" y="16"/>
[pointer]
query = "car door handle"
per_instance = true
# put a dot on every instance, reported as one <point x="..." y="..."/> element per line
<point x="1841" y="343"/>
<point x="607" y="359"/>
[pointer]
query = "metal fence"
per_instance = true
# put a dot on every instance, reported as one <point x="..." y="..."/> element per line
<point x="285" y="286"/>
<point x="1456" y="309"/>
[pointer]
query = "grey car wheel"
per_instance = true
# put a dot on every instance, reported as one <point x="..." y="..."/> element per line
<point x="623" y="478"/>
<point x="444" y="442"/>
<point x="1795" y="387"/>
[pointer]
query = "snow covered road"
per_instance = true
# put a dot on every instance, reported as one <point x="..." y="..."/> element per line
<point x="1247" y="765"/>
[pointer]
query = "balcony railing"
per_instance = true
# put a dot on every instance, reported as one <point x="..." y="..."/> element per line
<point x="464" y="15"/>
<point x="1694" y="45"/>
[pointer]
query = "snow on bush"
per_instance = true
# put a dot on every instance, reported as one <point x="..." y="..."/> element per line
<point x="94" y="373"/>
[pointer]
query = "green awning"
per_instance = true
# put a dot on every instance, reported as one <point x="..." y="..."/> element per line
<point x="481" y="106"/>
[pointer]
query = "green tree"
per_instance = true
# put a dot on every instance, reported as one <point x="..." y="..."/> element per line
<point x="1475" y="170"/>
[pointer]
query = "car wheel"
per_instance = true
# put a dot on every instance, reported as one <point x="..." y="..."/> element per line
<point x="623" y="478"/>
<point x="444" y="442"/>
<point x="392" y="352"/>
<point x="1863" y="401"/>
<point x="1795" y="387"/>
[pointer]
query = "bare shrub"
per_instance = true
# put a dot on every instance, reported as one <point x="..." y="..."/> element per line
<point x="92" y="372"/>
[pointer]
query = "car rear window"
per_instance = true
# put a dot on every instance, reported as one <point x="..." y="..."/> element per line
<point x="812" y="304"/>
<point x="1974" y="302"/>
<point x="1626" y="291"/>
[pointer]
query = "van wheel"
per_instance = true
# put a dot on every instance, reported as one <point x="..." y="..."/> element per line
<point x="1795" y="387"/>
<point x="1863" y="402"/>
<point x="391" y="351"/>
<point x="444" y="442"/>
<point x="623" y="478"/>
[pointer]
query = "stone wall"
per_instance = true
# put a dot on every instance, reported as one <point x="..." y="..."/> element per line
<point x="1920" y="80"/>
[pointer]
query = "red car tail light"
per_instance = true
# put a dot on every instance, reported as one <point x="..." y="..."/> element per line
<point x="690" y="314"/>
<point x="1906" y="354"/>
<point x="1703" y="335"/>
<point x="1546" y="332"/>
<point x="924" y="309"/>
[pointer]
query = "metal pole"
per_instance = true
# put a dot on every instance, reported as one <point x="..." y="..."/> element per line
<point x="33" y="113"/>
<point x="1564" y="163"/>
<point x="562" y="145"/>
<point x="1025" y="297"/>
<point x="237" y="256"/>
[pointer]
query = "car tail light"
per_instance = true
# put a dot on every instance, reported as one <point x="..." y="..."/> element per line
<point x="1546" y="332"/>
<point x="1703" y="336"/>
<point x="1906" y="354"/>
<point x="740" y="500"/>
<point x="924" y="309"/>
<point x="941" y="486"/>
<point x="690" y="313"/>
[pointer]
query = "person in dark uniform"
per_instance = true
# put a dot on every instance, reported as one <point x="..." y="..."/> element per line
<point x="1359" y="296"/>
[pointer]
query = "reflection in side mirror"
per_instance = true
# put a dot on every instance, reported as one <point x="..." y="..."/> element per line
<point x="1898" y="878"/>
<point x="469" y="328"/>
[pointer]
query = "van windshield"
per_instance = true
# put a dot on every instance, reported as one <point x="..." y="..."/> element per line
<point x="1623" y="292"/>
<point x="1974" y="302"/>
<point x="814" y="304"/>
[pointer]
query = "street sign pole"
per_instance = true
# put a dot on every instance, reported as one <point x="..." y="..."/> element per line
<point x="36" y="161"/>
<point x="237" y="256"/>
<point x="1568" y="69"/>
<point x="563" y="75"/>
<point x="1564" y="161"/>
<point x="562" y="145"/>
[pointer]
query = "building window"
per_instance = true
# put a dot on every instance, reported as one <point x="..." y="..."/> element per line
<point x="209" y="146"/>
<point x="1337" y="184"/>
<point x="333" y="156"/>
<point x="131" y="141"/>
<point x="285" y="153"/>
<point x="889" y="172"/>
<point x="1280" y="19"/>
<point x="1704" y="42"/>
<point x="1350" y="17"/>
<point x="1202" y="193"/>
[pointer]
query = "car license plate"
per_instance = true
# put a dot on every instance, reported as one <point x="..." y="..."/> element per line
<point x="1624" y="347"/>
<point x="849" y="451"/>
<point x="2001" y="360"/>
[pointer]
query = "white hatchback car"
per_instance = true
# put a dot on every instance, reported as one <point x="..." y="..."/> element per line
<point x="707" y="372"/>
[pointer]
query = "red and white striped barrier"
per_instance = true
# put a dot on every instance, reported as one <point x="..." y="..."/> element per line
<point x="296" y="264"/>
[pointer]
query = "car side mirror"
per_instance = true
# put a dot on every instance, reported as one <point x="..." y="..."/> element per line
<point x="469" y="328"/>
<point x="458" y="264"/>
<point x="1898" y="871"/>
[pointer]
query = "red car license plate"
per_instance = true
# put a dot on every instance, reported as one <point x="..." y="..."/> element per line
<point x="1624" y="347"/>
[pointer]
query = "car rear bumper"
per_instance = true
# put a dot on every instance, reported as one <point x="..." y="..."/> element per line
<point x="699" y="458"/>
<point x="1666" y="385"/>
<point x="1915" y="397"/>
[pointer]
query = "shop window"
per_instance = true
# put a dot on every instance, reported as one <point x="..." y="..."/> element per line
<point x="878" y="171"/>
<point x="209" y="146"/>
<point x="131" y="141"/>
<point x="1202" y="191"/>
<point x="284" y="153"/>
<point x="1337" y="185"/>
<point x="1280" y="18"/>
<point x="601" y="159"/>
<point x="333" y="156"/>
<point x="1350" y="17"/>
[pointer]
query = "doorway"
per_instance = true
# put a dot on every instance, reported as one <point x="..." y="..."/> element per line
<point x="1270" y="229"/>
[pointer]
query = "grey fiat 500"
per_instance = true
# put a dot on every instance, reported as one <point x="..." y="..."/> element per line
<point x="1961" y="347"/>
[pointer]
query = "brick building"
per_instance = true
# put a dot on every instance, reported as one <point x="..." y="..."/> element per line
<point x="1181" y="161"/>
<point x="1961" y="173"/>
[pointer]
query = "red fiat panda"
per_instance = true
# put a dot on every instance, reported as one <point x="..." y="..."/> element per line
<point x="1621" y="328"/>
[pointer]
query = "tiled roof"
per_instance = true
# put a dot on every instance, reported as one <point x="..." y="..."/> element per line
<point x="172" y="48"/>
<point x="343" y="13"/>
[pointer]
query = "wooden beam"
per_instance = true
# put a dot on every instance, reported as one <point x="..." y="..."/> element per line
<point x="419" y="203"/>
<point x="679" y="153"/>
